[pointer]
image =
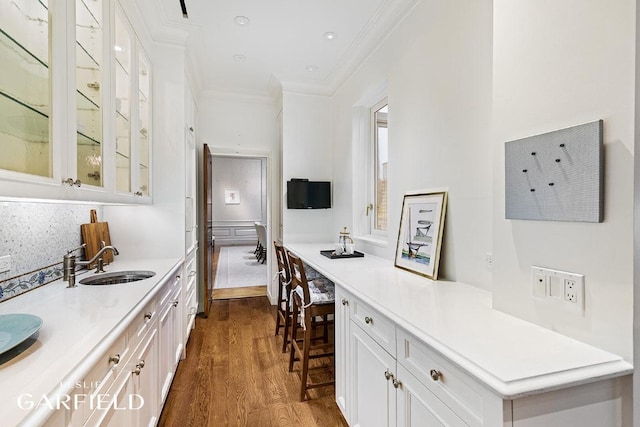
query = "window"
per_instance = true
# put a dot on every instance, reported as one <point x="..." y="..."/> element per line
<point x="380" y="141"/>
<point x="370" y="162"/>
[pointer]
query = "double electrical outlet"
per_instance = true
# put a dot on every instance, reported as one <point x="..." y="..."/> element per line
<point x="554" y="286"/>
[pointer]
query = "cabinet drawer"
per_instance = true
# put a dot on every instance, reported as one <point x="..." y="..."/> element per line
<point x="109" y="365"/>
<point x="451" y="385"/>
<point x="140" y="325"/>
<point x="377" y="326"/>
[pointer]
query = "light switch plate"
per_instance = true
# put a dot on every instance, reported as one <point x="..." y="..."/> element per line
<point x="5" y="263"/>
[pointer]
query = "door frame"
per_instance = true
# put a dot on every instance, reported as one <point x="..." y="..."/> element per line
<point x="252" y="154"/>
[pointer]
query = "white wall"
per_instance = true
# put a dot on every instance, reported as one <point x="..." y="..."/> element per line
<point x="159" y="230"/>
<point x="559" y="64"/>
<point x="437" y="64"/>
<point x="307" y="153"/>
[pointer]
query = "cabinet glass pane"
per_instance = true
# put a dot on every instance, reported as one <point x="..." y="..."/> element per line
<point x="25" y="96"/>
<point x="144" y="86"/>
<point x="122" y="50"/>
<point x="89" y="36"/>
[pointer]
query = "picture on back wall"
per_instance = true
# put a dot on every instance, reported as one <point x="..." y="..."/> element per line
<point x="420" y="233"/>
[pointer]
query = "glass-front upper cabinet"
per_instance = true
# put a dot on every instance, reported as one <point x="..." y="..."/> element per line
<point x="144" y="123"/>
<point x="123" y="46"/>
<point x="89" y="93"/>
<point x="25" y="88"/>
<point x="75" y="110"/>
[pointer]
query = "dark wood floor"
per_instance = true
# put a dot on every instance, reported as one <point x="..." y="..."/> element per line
<point x="235" y="374"/>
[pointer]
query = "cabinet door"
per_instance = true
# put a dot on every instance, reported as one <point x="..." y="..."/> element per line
<point x="167" y="344"/>
<point x="26" y="148"/>
<point x="417" y="406"/>
<point x="90" y="91"/>
<point x="123" y="66"/>
<point x="145" y="382"/>
<point x="372" y="395"/>
<point x="342" y="324"/>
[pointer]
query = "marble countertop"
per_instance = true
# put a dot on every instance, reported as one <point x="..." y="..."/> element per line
<point x="510" y="356"/>
<point x="78" y="325"/>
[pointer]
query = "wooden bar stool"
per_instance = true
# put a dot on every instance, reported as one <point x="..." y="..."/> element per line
<point x="310" y="299"/>
<point x="283" y="313"/>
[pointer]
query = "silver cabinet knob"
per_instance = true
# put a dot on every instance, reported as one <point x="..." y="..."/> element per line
<point x="397" y="383"/>
<point x="175" y="303"/>
<point x="345" y="301"/>
<point x="115" y="359"/>
<point x="148" y="315"/>
<point x="368" y="320"/>
<point x="435" y="375"/>
<point x="388" y="375"/>
<point x="138" y="193"/>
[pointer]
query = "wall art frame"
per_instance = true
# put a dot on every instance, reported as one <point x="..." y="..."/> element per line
<point x="420" y="233"/>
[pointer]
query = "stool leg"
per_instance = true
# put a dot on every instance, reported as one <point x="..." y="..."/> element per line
<point x="305" y="361"/>
<point x="294" y="332"/>
<point x="287" y="323"/>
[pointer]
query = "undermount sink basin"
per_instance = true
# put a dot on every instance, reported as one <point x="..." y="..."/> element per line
<point x="117" y="277"/>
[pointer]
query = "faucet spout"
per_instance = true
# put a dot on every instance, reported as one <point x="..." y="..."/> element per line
<point x="69" y="263"/>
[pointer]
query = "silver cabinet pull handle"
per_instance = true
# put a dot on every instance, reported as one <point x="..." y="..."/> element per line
<point x="368" y="320"/>
<point x="175" y="303"/>
<point x="148" y="315"/>
<point x="345" y="301"/>
<point x="397" y="383"/>
<point x="435" y="375"/>
<point x="115" y="359"/>
<point x="388" y="375"/>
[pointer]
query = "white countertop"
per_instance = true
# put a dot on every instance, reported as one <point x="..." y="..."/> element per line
<point x="512" y="357"/>
<point x="78" y="325"/>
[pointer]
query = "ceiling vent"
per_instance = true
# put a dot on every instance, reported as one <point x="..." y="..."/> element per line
<point x="183" y="6"/>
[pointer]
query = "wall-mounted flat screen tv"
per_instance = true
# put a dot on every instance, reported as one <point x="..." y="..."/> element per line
<point x="305" y="194"/>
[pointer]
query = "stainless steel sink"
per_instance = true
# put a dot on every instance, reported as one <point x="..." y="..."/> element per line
<point x="117" y="277"/>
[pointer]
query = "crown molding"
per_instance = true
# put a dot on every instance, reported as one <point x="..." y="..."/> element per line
<point x="247" y="97"/>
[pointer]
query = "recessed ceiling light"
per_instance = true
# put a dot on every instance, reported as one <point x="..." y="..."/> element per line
<point x="117" y="48"/>
<point x="312" y="68"/>
<point x="239" y="58"/>
<point x="330" y="36"/>
<point x="241" y="20"/>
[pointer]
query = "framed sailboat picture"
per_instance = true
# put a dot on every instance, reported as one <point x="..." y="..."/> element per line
<point x="420" y="234"/>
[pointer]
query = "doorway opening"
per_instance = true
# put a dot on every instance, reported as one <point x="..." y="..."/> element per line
<point x="239" y="204"/>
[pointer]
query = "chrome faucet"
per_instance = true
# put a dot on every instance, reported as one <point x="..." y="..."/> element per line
<point x="69" y="263"/>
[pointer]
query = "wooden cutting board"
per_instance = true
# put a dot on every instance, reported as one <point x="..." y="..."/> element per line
<point x="93" y="234"/>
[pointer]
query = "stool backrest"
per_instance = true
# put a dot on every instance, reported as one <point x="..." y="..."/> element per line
<point x="283" y="264"/>
<point x="298" y="276"/>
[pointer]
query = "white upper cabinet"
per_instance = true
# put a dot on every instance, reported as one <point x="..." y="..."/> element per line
<point x="75" y="112"/>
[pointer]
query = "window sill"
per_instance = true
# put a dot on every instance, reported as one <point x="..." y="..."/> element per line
<point x="379" y="241"/>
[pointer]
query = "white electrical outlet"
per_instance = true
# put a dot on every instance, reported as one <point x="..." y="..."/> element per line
<point x="559" y="289"/>
<point x="5" y="263"/>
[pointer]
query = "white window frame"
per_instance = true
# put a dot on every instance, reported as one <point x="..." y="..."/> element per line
<point x="363" y="166"/>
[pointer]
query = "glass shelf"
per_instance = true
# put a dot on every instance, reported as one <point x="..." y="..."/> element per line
<point x="22" y="121"/>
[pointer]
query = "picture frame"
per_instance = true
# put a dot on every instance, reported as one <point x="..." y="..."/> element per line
<point x="231" y="197"/>
<point x="420" y="233"/>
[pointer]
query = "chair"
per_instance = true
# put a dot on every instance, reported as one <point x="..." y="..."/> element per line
<point x="258" y="247"/>
<point x="262" y="242"/>
<point x="283" y="314"/>
<point x="309" y="300"/>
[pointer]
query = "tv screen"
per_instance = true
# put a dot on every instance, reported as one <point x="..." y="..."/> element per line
<point x="304" y="194"/>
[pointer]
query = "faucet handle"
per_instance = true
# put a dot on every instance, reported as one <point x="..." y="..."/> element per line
<point x="69" y="252"/>
<point x="100" y="266"/>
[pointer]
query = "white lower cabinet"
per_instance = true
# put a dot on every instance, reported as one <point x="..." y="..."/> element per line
<point x="130" y="381"/>
<point x="387" y="377"/>
<point x="372" y="395"/>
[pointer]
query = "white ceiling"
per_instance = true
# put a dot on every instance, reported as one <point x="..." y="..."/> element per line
<point x="283" y="38"/>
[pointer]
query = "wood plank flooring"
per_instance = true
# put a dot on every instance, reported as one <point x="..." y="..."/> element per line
<point x="247" y="291"/>
<point x="235" y="374"/>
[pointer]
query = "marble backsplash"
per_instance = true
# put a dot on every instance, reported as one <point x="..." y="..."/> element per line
<point x="36" y="236"/>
